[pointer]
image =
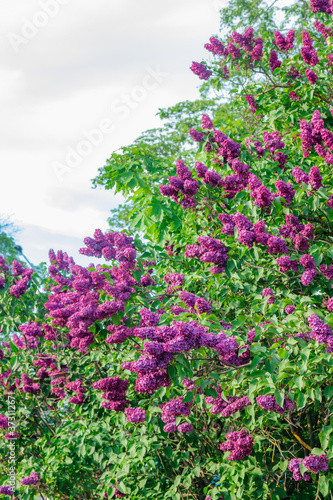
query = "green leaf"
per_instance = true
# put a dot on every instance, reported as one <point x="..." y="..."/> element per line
<point x="324" y="485"/>
<point x="188" y="397"/>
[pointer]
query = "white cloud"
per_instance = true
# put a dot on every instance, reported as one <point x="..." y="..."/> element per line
<point x="65" y="80"/>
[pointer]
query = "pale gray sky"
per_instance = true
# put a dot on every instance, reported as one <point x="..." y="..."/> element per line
<point x="79" y="79"/>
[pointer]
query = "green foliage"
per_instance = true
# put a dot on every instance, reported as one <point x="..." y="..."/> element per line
<point x="84" y="451"/>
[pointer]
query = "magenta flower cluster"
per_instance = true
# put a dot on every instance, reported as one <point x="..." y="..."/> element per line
<point x="173" y="409"/>
<point x="321" y="6"/>
<point x="239" y="443"/>
<point x="313" y="463"/>
<point x="210" y="250"/>
<point x="78" y="306"/>
<point x="308" y="52"/>
<point x="182" y="185"/>
<point x="321" y="28"/>
<point x="229" y="407"/>
<point x="32" y="479"/>
<point x="269" y="403"/>
<point x="135" y="415"/>
<point x="320" y="332"/>
<point x="115" y="392"/>
<point x="285" y="43"/>
<point x="22" y="277"/>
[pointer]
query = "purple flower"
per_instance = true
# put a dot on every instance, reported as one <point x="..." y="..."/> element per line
<point x="315" y="178"/>
<point x="215" y="46"/>
<point x="135" y="415"/>
<point x="3" y="422"/>
<point x="308" y="276"/>
<point x="268" y="292"/>
<point x="286" y="191"/>
<point x="284" y="43"/>
<point x="301" y="243"/>
<point x="239" y="443"/>
<point x="321" y="6"/>
<point x="321" y="28"/>
<point x="171" y="427"/>
<point x="32" y="479"/>
<point x="247" y="238"/>
<point x="307" y="261"/>
<point x="289" y="309"/>
<point x="294" y="468"/>
<point x="182" y="171"/>
<point x="196" y="136"/>
<point x="316" y="463"/>
<point x="251" y="102"/>
<point x="285" y="264"/>
<point x="207" y="122"/>
<point x="311" y="76"/>
<point x="277" y="245"/>
<point x="200" y="70"/>
<point x="185" y="427"/>
<point x="7" y="490"/>
<point x="274" y="61"/>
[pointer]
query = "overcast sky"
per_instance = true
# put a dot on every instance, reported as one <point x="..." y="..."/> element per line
<point x="79" y="79"/>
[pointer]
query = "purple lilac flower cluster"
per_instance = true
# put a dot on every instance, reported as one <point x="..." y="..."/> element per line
<point x="310" y="269"/>
<point x="294" y="468"/>
<point x="289" y="309"/>
<point x="320" y="332"/>
<point x="175" y="281"/>
<point x="200" y="70"/>
<point x="31" y="332"/>
<point x="256" y="144"/>
<point x="3" y="421"/>
<point x="4" y="272"/>
<point x="313" y="463"/>
<point x="210" y="250"/>
<point x="135" y="415"/>
<point x="195" y="305"/>
<point x="173" y="409"/>
<point x="307" y="51"/>
<point x="274" y="61"/>
<point x="328" y="303"/>
<point x="285" y="43"/>
<point x="77" y="387"/>
<point x="311" y="76"/>
<point x="300" y="235"/>
<point x="251" y="102"/>
<point x="293" y="96"/>
<point x="269" y="403"/>
<point x="77" y="307"/>
<point x="6" y="490"/>
<point x="251" y="46"/>
<point x="115" y="392"/>
<point x="32" y="479"/>
<point x="272" y="142"/>
<point x="29" y="386"/>
<point x="321" y="28"/>
<point x="239" y="443"/>
<point x="182" y="185"/>
<point x="268" y="292"/>
<point x="327" y="271"/>
<point x="226" y="408"/>
<point x="118" y="334"/>
<point x="261" y="194"/>
<point x="216" y="47"/>
<point x="248" y="237"/>
<point x="321" y="6"/>
<point x="21" y="275"/>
